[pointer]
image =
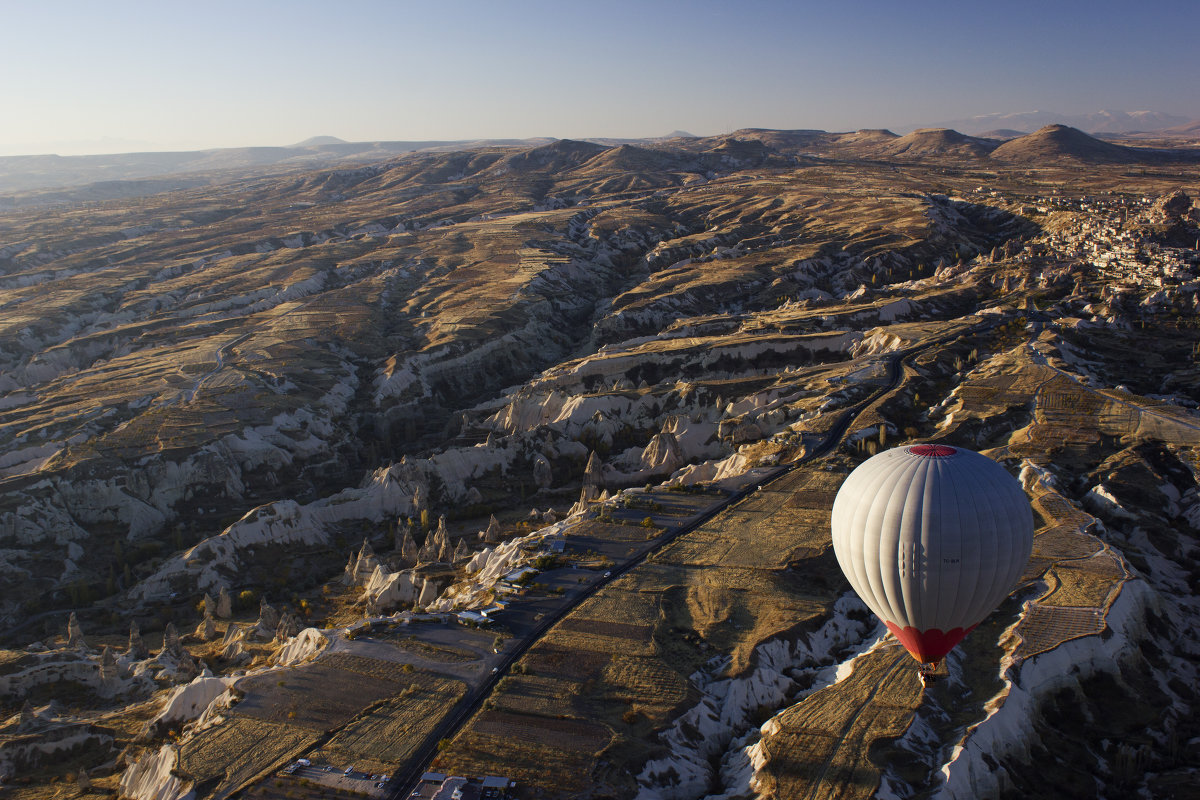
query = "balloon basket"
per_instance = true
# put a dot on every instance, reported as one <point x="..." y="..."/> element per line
<point x="928" y="673"/>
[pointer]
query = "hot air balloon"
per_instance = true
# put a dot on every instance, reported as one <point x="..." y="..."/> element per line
<point x="932" y="538"/>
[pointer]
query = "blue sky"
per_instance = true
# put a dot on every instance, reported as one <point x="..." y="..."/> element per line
<point x="170" y="74"/>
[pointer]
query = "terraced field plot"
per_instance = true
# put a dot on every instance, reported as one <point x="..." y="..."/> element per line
<point x="631" y="608"/>
<point x="822" y="746"/>
<point x="434" y="652"/>
<point x="557" y="660"/>
<point x="1064" y="541"/>
<point x="240" y="751"/>
<point x="526" y="761"/>
<point x="391" y="732"/>
<point x="622" y="658"/>
<point x="1086" y="583"/>
<point x="319" y="696"/>
<point x="1057" y="508"/>
<point x="1061" y="542"/>
<point x="1043" y="628"/>
<point x="540" y="694"/>
<point x="568" y="734"/>
<point x="699" y="549"/>
<point x="654" y="688"/>
<point x="603" y="637"/>
<point x="606" y="628"/>
<point x="594" y="530"/>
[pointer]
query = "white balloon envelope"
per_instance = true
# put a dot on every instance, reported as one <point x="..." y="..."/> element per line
<point x="932" y="538"/>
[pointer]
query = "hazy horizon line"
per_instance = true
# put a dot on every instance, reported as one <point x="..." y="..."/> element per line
<point x="68" y="148"/>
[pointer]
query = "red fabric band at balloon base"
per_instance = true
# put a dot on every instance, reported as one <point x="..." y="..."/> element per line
<point x="928" y="645"/>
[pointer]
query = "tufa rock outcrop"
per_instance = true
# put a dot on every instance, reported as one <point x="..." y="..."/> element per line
<point x="75" y="634"/>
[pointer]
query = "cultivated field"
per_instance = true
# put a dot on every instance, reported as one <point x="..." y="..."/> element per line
<point x="240" y="751"/>
<point x="389" y="732"/>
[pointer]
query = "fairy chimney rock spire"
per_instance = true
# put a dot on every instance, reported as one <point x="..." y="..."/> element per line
<point x="593" y="474"/>
<point x="268" y="618"/>
<point x="108" y="665"/>
<point x="407" y="548"/>
<point x="137" y="648"/>
<point x="171" y="643"/>
<point x="224" y="604"/>
<point x="461" y="551"/>
<point x="206" y="631"/>
<point x="428" y="552"/>
<point x="492" y="534"/>
<point x="75" y="634"/>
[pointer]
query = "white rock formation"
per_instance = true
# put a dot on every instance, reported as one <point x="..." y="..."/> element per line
<point x="215" y="561"/>
<point x="304" y="646"/>
<point x="361" y="565"/>
<point x="75" y="634"/>
<point x="207" y="629"/>
<point x="268" y="620"/>
<point x="429" y="593"/>
<point x="420" y="500"/>
<point x="289" y="626"/>
<point x="171" y="644"/>
<point x="152" y="777"/>
<point x="224" y="604"/>
<point x="492" y="534"/>
<point x="388" y="590"/>
<point x="137" y="648"/>
<point x="662" y="454"/>
<point x="593" y="473"/>
<point x="406" y="545"/>
<point x="428" y="552"/>
<point x="187" y="703"/>
<point x="108" y="666"/>
<point x="708" y="471"/>
<point x="587" y="495"/>
<point x="235" y="652"/>
<point x="461" y="551"/>
<point x="489" y="565"/>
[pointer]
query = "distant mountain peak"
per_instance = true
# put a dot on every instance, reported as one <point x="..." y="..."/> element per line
<point x="316" y="141"/>
<point x="1105" y="121"/>
<point x="1062" y="142"/>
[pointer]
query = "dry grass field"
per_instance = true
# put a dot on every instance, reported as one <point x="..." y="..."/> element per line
<point x="318" y="696"/>
<point x="389" y="732"/>
<point x="824" y="746"/>
<point x="240" y="751"/>
<point x="615" y="670"/>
